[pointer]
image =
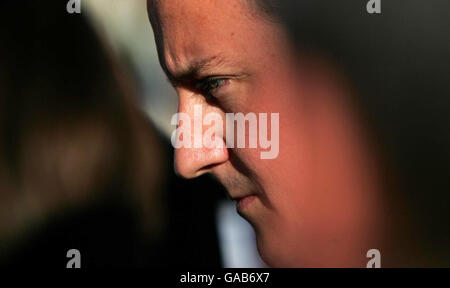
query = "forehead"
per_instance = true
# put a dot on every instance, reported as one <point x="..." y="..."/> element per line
<point x="192" y="30"/>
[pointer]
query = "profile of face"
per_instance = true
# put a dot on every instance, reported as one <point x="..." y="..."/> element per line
<point x="315" y="203"/>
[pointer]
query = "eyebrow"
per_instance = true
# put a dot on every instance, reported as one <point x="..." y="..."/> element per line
<point x="195" y="70"/>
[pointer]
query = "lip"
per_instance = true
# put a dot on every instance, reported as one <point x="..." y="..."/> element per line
<point x="244" y="202"/>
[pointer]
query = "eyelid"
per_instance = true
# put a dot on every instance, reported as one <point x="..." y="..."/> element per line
<point x="207" y="81"/>
<point x="204" y="86"/>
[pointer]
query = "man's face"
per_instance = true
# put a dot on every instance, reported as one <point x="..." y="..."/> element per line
<point x="302" y="204"/>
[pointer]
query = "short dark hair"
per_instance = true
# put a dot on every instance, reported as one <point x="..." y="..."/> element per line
<point x="266" y="7"/>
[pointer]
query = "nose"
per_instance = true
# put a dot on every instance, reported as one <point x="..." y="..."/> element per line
<point x="195" y="160"/>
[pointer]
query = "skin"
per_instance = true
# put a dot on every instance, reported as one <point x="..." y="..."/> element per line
<point x="317" y="203"/>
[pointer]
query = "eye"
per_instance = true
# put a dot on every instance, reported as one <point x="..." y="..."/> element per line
<point x="208" y="85"/>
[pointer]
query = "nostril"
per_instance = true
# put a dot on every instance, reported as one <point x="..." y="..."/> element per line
<point x="208" y="167"/>
<point x="184" y="173"/>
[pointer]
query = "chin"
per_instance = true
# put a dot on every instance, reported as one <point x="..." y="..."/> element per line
<point x="274" y="252"/>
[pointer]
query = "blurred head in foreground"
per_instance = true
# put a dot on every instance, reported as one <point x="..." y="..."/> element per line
<point x="70" y="133"/>
<point x="363" y="147"/>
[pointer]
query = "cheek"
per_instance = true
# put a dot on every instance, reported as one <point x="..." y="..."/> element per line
<point x="286" y="180"/>
<point x="289" y="176"/>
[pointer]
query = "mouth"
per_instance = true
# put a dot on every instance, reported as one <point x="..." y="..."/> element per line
<point x="242" y="203"/>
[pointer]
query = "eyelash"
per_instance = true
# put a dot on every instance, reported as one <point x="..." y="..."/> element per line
<point x="208" y="85"/>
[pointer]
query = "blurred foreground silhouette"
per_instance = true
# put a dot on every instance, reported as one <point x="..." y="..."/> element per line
<point x="80" y="165"/>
